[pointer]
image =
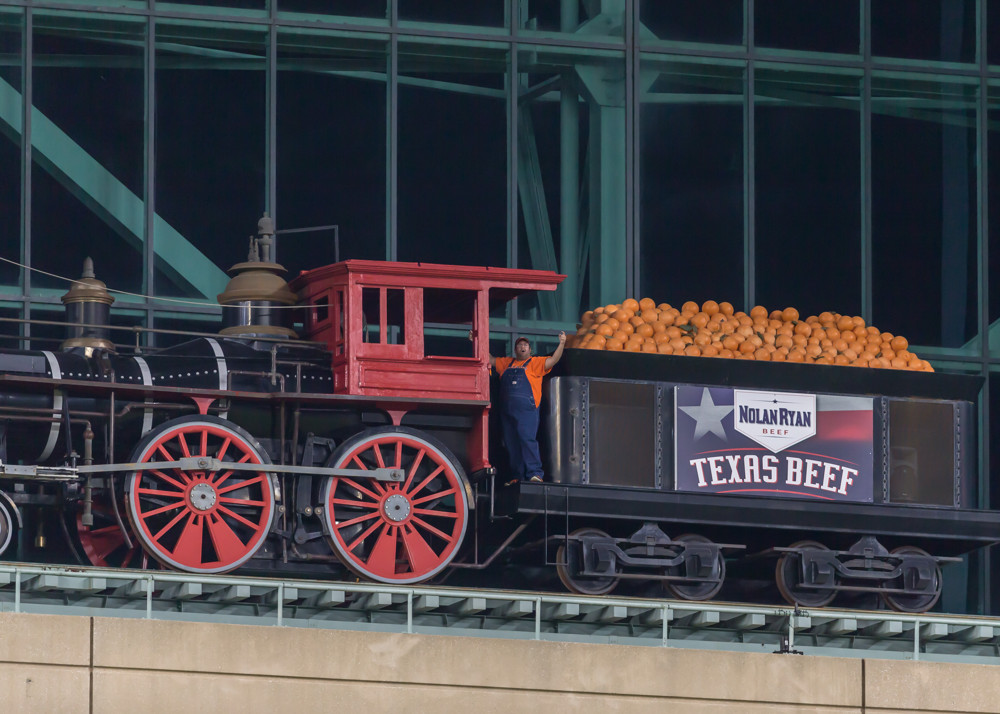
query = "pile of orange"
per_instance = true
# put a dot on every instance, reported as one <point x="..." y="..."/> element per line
<point x="715" y="329"/>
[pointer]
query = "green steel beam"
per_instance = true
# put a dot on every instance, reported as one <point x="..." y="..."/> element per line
<point x="109" y="198"/>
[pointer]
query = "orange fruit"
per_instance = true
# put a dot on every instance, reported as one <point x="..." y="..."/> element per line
<point x="614" y="344"/>
<point x="789" y="314"/>
<point x="631" y="304"/>
<point x="726" y="308"/>
<point x="644" y="329"/>
<point x="664" y="348"/>
<point x="650" y="314"/>
<point x="710" y="351"/>
<point x="690" y="307"/>
<point x="758" y="312"/>
<point x="692" y="350"/>
<point x="622" y="315"/>
<point x="598" y="340"/>
<point x="636" y="321"/>
<point x="710" y="307"/>
<point x="647" y="304"/>
<point x="845" y="323"/>
<point x="899" y="343"/>
<point x="699" y="319"/>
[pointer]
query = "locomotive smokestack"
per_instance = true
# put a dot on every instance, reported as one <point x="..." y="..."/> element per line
<point x="88" y="312"/>
<point x="254" y="299"/>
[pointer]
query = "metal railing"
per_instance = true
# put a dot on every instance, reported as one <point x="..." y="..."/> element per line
<point x="154" y="594"/>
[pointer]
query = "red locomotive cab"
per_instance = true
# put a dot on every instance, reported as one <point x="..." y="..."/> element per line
<point x="415" y="330"/>
<point x="412" y="331"/>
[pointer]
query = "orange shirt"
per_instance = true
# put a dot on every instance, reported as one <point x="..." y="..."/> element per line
<point x="534" y="370"/>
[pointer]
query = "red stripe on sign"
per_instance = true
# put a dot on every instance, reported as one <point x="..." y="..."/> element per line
<point x="845" y="425"/>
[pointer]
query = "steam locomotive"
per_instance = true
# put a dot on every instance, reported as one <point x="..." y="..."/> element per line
<point x="365" y="448"/>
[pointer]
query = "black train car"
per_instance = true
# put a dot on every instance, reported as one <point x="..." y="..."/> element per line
<point x="659" y="469"/>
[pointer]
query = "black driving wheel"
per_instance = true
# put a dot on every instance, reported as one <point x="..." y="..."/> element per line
<point x="790" y="579"/>
<point x="573" y="558"/>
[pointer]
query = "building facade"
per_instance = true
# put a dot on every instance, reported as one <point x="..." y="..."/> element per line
<point x="835" y="155"/>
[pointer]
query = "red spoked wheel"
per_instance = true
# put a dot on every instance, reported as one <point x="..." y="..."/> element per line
<point x="104" y="543"/>
<point x="396" y="532"/>
<point x="201" y="520"/>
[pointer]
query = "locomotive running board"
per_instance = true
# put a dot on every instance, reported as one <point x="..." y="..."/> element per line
<point x="193" y="463"/>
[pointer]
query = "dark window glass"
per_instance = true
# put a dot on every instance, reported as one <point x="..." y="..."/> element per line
<point x="10" y="147"/>
<point x="452" y="169"/>
<point x="87" y="136"/>
<point x="718" y="21"/>
<point x="942" y="30"/>
<point x="691" y="163"/>
<point x="210" y="154"/>
<point x="586" y="20"/>
<point x="923" y="211"/>
<point x="808" y="192"/>
<point x="449" y="316"/>
<point x="993" y="204"/>
<point x="817" y="25"/>
<point x="994" y="470"/>
<point x="331" y="138"/>
<point x="993" y="31"/>
<point x="346" y="8"/>
<point x="481" y="12"/>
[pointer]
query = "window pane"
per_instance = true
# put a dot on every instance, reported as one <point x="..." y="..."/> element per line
<point x="808" y="191"/>
<point x="923" y="211"/>
<point x="993" y="31"/>
<point x="331" y="138"/>
<point x="481" y="12"/>
<point x="817" y="25"/>
<point x="594" y="22"/>
<point x="210" y="153"/>
<point x="577" y="99"/>
<point x="255" y="8"/>
<point x="452" y="173"/>
<point x="942" y="30"/>
<point x="87" y="168"/>
<point x="691" y="202"/>
<point x="11" y="23"/>
<point x="993" y="199"/>
<point x="718" y="21"/>
<point x="347" y="8"/>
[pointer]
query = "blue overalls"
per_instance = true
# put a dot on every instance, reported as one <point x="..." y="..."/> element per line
<point x="519" y="417"/>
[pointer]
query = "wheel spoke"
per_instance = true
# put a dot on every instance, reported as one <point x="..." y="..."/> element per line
<point x="359" y="519"/>
<point x="360" y="539"/>
<point x="163" y="509"/>
<point x="439" y="494"/>
<point x="184" y="445"/>
<point x="222" y="449"/>
<point x="158" y="492"/>
<point x="349" y="502"/>
<point x="421" y="556"/>
<point x="428" y="527"/>
<point x="169" y="525"/>
<point x="243" y="502"/>
<point x="378" y="455"/>
<point x="436" y="514"/>
<point x="413" y="469"/>
<point x="242" y="484"/>
<point x="228" y="545"/>
<point x="355" y="485"/>
<point x="236" y="516"/>
<point x="168" y="479"/>
<point x="188" y="547"/>
<point x="430" y="477"/>
<point x="382" y="559"/>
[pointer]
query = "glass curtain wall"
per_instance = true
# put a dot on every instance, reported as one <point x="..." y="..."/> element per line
<point x="823" y="154"/>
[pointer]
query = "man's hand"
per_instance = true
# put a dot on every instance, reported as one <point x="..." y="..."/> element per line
<point x="552" y="359"/>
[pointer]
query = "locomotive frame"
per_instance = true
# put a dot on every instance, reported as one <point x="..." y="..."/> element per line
<point x="366" y="448"/>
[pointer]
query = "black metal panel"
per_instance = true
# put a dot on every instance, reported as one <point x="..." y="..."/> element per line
<point x="942" y="531"/>
<point x="622" y="428"/>
<point x="922" y="452"/>
<point x="788" y="376"/>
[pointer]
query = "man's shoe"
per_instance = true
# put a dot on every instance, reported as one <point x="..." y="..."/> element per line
<point x="536" y="479"/>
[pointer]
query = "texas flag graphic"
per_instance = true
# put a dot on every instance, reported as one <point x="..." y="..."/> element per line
<point x="778" y="444"/>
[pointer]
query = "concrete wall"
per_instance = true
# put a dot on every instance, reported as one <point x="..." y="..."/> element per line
<point x="82" y="664"/>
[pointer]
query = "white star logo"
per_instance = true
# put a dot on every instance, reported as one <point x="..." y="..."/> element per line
<point x="707" y="416"/>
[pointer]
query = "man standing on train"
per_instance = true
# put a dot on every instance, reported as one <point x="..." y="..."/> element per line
<point x="520" y="396"/>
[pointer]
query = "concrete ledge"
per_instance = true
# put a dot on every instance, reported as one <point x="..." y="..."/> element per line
<point x="893" y="686"/>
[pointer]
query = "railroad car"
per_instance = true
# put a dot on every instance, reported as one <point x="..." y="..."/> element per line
<point x="360" y="445"/>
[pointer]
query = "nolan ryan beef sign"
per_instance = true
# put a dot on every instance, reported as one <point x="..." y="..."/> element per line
<point x="764" y="443"/>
